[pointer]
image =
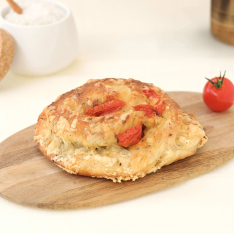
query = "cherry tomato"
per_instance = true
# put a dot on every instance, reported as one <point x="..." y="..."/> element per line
<point x="218" y="93"/>
<point x="131" y="136"/>
<point x="105" y="108"/>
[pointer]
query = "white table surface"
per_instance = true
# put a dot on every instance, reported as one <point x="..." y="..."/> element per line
<point x="165" y="42"/>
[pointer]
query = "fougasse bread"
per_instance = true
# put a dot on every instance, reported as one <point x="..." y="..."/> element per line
<point x="118" y="129"/>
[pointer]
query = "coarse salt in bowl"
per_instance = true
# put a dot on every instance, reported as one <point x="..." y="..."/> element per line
<point x="45" y="36"/>
<point x="35" y="13"/>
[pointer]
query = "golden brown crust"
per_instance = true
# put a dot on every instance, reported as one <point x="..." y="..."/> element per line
<point x="87" y="145"/>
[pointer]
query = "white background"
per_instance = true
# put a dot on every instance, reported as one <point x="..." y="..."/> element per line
<point x="165" y="42"/>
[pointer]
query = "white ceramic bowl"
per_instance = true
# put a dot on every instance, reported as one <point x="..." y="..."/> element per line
<point x="44" y="49"/>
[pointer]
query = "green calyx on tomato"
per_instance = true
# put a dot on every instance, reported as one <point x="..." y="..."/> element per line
<point x="219" y="83"/>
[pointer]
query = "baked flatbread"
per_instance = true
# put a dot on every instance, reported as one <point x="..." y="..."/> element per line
<point x="78" y="133"/>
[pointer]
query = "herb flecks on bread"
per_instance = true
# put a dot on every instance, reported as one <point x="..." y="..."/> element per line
<point x="116" y="129"/>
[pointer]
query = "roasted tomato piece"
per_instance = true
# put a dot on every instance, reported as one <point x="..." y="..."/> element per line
<point x="105" y="108"/>
<point x="150" y="93"/>
<point x="149" y="109"/>
<point x="131" y="137"/>
<point x="159" y="108"/>
<point x="110" y="110"/>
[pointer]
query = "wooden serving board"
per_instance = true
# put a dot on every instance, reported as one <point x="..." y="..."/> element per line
<point x="29" y="178"/>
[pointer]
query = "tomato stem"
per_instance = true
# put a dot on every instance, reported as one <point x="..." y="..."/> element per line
<point x="219" y="83"/>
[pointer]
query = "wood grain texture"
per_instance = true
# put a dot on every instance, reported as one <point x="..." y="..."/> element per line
<point x="222" y="20"/>
<point x="29" y="178"/>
